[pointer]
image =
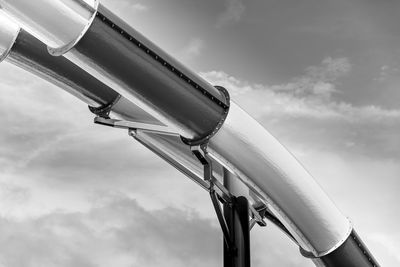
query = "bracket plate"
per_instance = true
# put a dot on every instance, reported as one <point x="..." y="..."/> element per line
<point x="135" y="125"/>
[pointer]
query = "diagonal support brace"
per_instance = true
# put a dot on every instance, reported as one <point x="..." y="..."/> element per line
<point x="221" y="219"/>
<point x="200" y="151"/>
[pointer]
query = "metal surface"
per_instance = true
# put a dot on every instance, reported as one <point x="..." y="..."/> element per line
<point x="352" y="253"/>
<point x="24" y="50"/>
<point x="237" y="218"/>
<point x="8" y="33"/>
<point x="206" y="138"/>
<point x="168" y="94"/>
<point x="236" y="214"/>
<point x="123" y="59"/>
<point x="47" y="19"/>
<point x="172" y="150"/>
<point x="124" y="109"/>
<point x="31" y="54"/>
<point x="144" y="127"/>
<point x="254" y="155"/>
<point x="226" y="231"/>
<point x="175" y="152"/>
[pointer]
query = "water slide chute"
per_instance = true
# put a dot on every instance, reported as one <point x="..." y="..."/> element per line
<point x="127" y="76"/>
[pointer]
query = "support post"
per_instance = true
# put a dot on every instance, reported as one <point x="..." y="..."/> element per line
<point x="237" y="217"/>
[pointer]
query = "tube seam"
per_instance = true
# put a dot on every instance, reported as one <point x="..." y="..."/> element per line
<point x="224" y="115"/>
<point x="162" y="61"/>
<point x="7" y="52"/>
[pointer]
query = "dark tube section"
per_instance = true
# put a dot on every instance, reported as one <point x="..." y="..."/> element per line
<point x="143" y="70"/>
<point x="352" y="253"/>
<point x="31" y="54"/>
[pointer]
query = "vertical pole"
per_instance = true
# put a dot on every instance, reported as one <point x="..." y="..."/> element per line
<point x="237" y="218"/>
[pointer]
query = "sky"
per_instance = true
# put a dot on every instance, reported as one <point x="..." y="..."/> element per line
<point x="322" y="76"/>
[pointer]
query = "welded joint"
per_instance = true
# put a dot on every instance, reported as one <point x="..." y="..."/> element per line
<point x="59" y="51"/>
<point x="339" y="243"/>
<point x="224" y="115"/>
<point x="173" y="69"/>
<point x="364" y="249"/>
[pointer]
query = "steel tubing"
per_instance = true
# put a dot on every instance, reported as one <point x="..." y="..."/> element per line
<point x="127" y="62"/>
<point x="22" y="49"/>
<point x="140" y="71"/>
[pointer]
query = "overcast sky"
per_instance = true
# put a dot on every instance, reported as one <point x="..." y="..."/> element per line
<point x="322" y="76"/>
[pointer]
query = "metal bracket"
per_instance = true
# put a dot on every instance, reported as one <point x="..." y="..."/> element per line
<point x="200" y="151"/>
<point x="221" y="219"/>
<point x="257" y="216"/>
<point x="104" y="111"/>
<point x="135" y="125"/>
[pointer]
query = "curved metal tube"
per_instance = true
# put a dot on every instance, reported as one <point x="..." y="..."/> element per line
<point x="130" y="64"/>
<point x="25" y="51"/>
<point x="133" y="66"/>
<point x="8" y="33"/>
<point x="262" y="163"/>
<point x="34" y="16"/>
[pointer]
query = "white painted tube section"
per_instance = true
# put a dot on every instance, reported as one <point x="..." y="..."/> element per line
<point x="54" y="22"/>
<point x="267" y="167"/>
<point x="8" y="33"/>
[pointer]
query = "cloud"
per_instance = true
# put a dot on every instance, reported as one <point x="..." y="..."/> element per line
<point x="391" y="245"/>
<point x="386" y="73"/>
<point x="127" y="5"/>
<point x="192" y="50"/>
<point x="319" y="80"/>
<point x="58" y="160"/>
<point x="233" y="12"/>
<point x="117" y="233"/>
<point x="139" y="7"/>
<point x="306" y="110"/>
<point x="353" y="151"/>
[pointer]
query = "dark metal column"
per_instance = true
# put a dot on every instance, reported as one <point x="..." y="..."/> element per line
<point x="237" y="217"/>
